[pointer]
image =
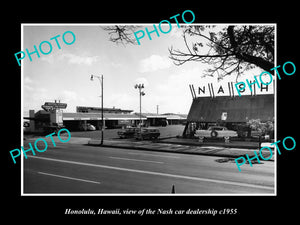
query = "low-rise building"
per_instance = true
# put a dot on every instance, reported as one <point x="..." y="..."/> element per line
<point x="112" y="118"/>
<point x="229" y="111"/>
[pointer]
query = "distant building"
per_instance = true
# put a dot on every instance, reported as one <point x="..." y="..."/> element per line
<point x="113" y="118"/>
<point x="174" y="119"/>
<point x="86" y="109"/>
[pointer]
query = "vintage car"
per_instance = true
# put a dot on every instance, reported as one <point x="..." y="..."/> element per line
<point x="216" y="132"/>
<point x="87" y="127"/>
<point x="127" y="132"/>
<point x="147" y="133"/>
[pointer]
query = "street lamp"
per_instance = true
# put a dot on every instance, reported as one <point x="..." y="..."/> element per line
<point x="141" y="93"/>
<point x="101" y="83"/>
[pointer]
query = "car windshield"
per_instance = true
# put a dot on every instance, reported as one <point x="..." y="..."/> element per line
<point x="217" y="128"/>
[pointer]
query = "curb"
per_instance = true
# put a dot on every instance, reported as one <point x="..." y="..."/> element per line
<point x="215" y="144"/>
<point x="193" y="152"/>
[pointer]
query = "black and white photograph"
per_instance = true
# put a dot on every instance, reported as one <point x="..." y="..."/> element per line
<point x="124" y="112"/>
<point x="150" y="109"/>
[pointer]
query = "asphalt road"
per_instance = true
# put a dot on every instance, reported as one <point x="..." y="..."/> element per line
<point x="72" y="168"/>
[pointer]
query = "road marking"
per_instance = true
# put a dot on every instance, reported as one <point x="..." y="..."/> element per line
<point x="156" y="173"/>
<point x="167" y="156"/>
<point x="139" y="160"/>
<point x="70" y="178"/>
<point x="212" y="147"/>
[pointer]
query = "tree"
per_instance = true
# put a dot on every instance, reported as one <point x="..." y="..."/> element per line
<point x="262" y="128"/>
<point x="234" y="49"/>
<point x="230" y="50"/>
<point x="122" y="34"/>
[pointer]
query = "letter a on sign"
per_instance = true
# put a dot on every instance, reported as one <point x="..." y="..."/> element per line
<point x="221" y="90"/>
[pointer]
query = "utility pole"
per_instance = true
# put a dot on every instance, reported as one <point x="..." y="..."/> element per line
<point x="101" y="86"/>
<point x="141" y="93"/>
<point x="102" y="110"/>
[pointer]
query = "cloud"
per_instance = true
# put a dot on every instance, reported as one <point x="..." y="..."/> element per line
<point x="68" y="95"/>
<point x="27" y="82"/>
<point x="81" y="60"/>
<point x="176" y="32"/>
<point x="49" y="59"/>
<point x="72" y="59"/>
<point x="153" y="63"/>
<point x="72" y="98"/>
<point x="173" y="95"/>
<point x="116" y="65"/>
<point x="122" y="100"/>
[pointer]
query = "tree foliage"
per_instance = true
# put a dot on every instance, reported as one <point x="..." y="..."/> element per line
<point x="122" y="34"/>
<point x="264" y="128"/>
<point x="233" y="49"/>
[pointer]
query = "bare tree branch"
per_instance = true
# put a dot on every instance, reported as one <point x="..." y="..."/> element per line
<point x="122" y="34"/>
<point x="234" y="49"/>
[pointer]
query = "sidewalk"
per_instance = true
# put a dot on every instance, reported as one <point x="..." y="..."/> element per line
<point x="176" y="145"/>
<point x="195" y="142"/>
<point x="221" y="151"/>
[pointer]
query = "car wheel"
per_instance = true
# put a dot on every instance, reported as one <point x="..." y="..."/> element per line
<point x="227" y="139"/>
<point x="214" y="134"/>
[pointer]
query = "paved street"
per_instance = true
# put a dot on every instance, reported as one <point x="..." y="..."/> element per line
<point x="76" y="168"/>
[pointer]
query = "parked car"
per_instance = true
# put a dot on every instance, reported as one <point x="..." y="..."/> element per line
<point x="255" y="133"/>
<point x="216" y="132"/>
<point x="88" y="127"/>
<point x="128" y="132"/>
<point x="54" y="127"/>
<point x="147" y="133"/>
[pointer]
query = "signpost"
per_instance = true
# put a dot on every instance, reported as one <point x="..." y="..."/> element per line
<point x="46" y="108"/>
<point x="49" y="106"/>
<point x="56" y="115"/>
<point x="57" y="105"/>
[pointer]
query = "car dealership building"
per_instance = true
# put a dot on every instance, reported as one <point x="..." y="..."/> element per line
<point x="228" y="109"/>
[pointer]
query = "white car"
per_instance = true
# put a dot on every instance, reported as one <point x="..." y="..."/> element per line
<point x="87" y="127"/>
<point x="216" y="132"/>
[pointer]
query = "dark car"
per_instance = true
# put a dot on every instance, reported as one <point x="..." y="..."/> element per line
<point x="147" y="133"/>
<point x="128" y="132"/>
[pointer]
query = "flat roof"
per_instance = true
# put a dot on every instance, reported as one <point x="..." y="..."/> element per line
<point x="44" y="115"/>
<point x="151" y="115"/>
<point x="104" y="109"/>
<point x="97" y="116"/>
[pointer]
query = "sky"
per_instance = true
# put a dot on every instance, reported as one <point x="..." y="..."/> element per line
<point x="64" y="74"/>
